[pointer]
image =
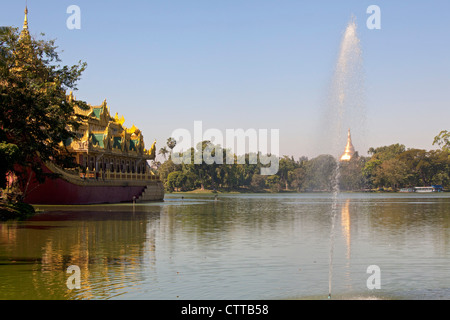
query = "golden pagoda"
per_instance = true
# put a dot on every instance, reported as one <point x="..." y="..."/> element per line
<point x="25" y="32"/>
<point x="349" y="149"/>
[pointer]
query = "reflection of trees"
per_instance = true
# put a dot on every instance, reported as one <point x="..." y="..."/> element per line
<point x="228" y="218"/>
<point x="7" y="234"/>
<point x="395" y="220"/>
<point x="403" y="222"/>
<point x="108" y="247"/>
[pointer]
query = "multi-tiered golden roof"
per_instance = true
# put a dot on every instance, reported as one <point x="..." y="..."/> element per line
<point x="104" y="142"/>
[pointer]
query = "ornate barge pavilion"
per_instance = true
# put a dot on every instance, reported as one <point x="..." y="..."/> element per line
<point x="112" y="162"/>
<point x="106" y="147"/>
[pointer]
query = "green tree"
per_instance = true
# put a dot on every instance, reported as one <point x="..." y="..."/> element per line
<point x="439" y="172"/>
<point x="392" y="173"/>
<point x="166" y="168"/>
<point x="319" y="173"/>
<point x="188" y="181"/>
<point x="207" y="174"/>
<point x="163" y="151"/>
<point x="387" y="152"/>
<point x="443" y="140"/>
<point x="171" y="143"/>
<point x="273" y="182"/>
<point x="286" y="165"/>
<point x="443" y="158"/>
<point x="35" y="115"/>
<point x="351" y="174"/>
<point x="173" y="181"/>
<point x="378" y="156"/>
<point x="181" y="181"/>
<point x="419" y="166"/>
<point x="258" y="182"/>
<point x="297" y="178"/>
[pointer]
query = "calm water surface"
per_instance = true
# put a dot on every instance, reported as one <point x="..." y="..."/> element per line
<point x="252" y="246"/>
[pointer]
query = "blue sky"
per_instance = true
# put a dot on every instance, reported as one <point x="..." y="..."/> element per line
<point x="254" y="64"/>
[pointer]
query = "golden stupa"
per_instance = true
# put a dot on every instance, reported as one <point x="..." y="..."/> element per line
<point x="349" y="149"/>
<point x="25" y="32"/>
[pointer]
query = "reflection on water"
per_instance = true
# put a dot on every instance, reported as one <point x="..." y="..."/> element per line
<point x="107" y="247"/>
<point x="345" y="222"/>
<point x="239" y="247"/>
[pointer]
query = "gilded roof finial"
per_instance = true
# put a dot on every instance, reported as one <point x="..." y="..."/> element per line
<point x="25" y="24"/>
<point x="25" y="20"/>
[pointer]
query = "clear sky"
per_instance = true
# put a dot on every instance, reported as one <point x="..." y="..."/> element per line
<point x="254" y="64"/>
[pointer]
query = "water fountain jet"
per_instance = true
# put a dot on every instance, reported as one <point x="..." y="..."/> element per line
<point x="345" y="107"/>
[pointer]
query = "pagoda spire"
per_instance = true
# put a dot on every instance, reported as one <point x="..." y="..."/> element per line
<point x="25" y="20"/>
<point x="349" y="149"/>
<point x="25" y="32"/>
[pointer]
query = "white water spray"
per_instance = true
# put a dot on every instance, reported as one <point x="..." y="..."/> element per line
<point x="345" y="110"/>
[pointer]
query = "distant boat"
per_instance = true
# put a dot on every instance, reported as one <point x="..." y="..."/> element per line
<point x="435" y="188"/>
<point x="407" y="190"/>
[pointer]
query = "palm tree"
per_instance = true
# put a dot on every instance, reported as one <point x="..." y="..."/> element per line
<point x="163" y="151"/>
<point x="171" y="143"/>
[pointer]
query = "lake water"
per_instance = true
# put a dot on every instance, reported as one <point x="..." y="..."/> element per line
<point x="244" y="246"/>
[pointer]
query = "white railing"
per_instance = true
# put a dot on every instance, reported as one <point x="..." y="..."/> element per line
<point x="112" y="175"/>
<point x="92" y="176"/>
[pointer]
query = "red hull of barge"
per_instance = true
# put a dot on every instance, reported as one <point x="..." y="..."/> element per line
<point x="60" y="191"/>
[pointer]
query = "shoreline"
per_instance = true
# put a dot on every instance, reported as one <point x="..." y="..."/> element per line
<point x="207" y="191"/>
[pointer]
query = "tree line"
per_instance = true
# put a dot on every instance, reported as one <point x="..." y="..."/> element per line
<point x="385" y="168"/>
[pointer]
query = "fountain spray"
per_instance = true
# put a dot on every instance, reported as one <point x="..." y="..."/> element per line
<point x="345" y="103"/>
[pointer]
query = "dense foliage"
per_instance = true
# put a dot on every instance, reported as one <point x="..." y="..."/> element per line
<point x="388" y="167"/>
<point x="35" y="115"/>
